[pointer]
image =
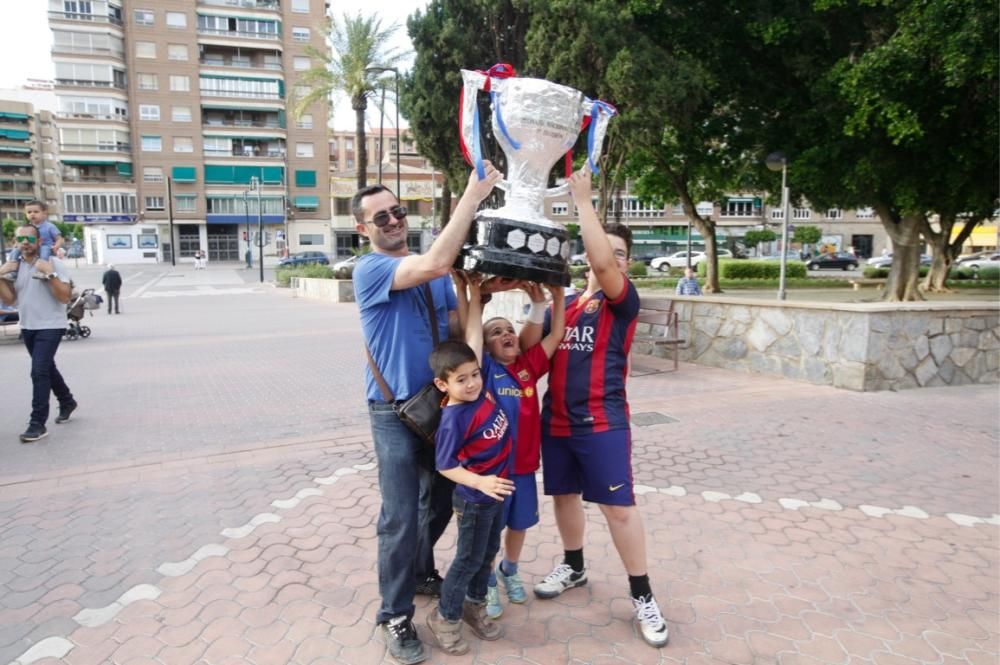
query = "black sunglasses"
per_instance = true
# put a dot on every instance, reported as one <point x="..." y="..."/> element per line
<point x="381" y="218"/>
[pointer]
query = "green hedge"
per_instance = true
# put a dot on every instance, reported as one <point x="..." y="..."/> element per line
<point x="283" y="276"/>
<point x="637" y="269"/>
<point x="986" y="273"/>
<point x="744" y="269"/>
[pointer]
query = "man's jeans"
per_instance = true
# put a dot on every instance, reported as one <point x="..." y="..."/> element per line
<point x="479" y="527"/>
<point x="405" y="538"/>
<point x="45" y="378"/>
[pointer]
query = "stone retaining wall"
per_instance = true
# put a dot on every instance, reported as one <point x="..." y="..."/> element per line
<point x="331" y="290"/>
<point x="863" y="346"/>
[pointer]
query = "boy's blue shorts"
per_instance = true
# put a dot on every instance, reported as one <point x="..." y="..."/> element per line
<point x="598" y="465"/>
<point x="520" y="509"/>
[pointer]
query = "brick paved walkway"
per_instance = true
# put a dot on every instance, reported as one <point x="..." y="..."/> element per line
<point x="214" y="501"/>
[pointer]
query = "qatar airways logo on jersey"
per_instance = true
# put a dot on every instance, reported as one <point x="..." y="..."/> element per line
<point x="498" y="428"/>
<point x="578" y="339"/>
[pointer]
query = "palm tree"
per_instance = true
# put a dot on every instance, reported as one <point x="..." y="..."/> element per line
<point x="357" y="45"/>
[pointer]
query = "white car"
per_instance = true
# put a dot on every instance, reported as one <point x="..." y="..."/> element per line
<point x="680" y="259"/>
<point x="344" y="269"/>
<point x="982" y="262"/>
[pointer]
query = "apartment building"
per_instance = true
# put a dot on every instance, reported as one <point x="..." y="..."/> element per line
<point x="175" y="120"/>
<point x="29" y="167"/>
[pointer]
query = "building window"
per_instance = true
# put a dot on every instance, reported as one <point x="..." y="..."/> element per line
<point x="300" y="6"/>
<point x="185" y="204"/>
<point x="183" y="144"/>
<point x="145" y="50"/>
<point x="101" y="204"/>
<point x="177" y="52"/>
<point x="148" y="82"/>
<point x="177" y="20"/>
<point x="834" y="213"/>
<point x="305" y="122"/>
<point x="777" y="213"/>
<point x="311" y="239"/>
<point x="149" y="112"/>
<point x="300" y="34"/>
<point x="144" y="17"/>
<point x="739" y="208"/>
<point x="303" y="149"/>
<point x="180" y="114"/>
<point x="180" y="83"/>
<point x="155" y="203"/>
<point x="152" y="174"/>
<point x="865" y="213"/>
<point x="560" y="208"/>
<point x="152" y="144"/>
<point x="300" y="63"/>
<point x="342" y="206"/>
<point x="801" y="213"/>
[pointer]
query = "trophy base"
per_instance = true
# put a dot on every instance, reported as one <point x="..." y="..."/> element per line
<point x="516" y="249"/>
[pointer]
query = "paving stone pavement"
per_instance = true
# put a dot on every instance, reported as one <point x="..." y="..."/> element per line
<point x="214" y="501"/>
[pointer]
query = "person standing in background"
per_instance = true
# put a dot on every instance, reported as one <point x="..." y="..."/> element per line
<point x="112" y="281"/>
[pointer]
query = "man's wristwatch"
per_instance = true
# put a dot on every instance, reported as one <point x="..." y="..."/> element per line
<point x="51" y="275"/>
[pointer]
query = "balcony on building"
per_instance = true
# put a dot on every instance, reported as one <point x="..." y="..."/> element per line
<point x="242" y="119"/>
<point x="84" y="172"/>
<point x="70" y="42"/>
<point x="240" y="27"/>
<point x="256" y="5"/>
<point x="91" y="12"/>
<point x="104" y="146"/>
<point x="242" y="87"/>
<point x="240" y="57"/>
<point x="244" y="147"/>
<point x="14" y="170"/>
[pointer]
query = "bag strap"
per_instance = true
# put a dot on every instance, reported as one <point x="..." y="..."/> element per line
<point x="379" y="379"/>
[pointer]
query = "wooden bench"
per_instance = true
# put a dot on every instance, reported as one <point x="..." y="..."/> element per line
<point x="657" y="326"/>
<point x="877" y="282"/>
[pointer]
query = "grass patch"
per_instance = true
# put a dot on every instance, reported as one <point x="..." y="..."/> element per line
<point x="283" y="276"/>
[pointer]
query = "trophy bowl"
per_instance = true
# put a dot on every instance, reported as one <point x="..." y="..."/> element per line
<point x="535" y="122"/>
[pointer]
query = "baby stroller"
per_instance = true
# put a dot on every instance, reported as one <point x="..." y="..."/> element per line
<point x="78" y="303"/>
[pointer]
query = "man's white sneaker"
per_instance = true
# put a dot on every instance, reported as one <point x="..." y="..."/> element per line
<point x="560" y="579"/>
<point x="651" y="624"/>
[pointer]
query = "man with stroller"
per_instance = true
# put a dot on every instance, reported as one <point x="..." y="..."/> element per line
<point x="112" y="280"/>
<point x="42" y="308"/>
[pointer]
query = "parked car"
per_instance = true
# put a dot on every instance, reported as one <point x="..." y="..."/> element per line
<point x="578" y="259"/>
<point x="644" y="257"/>
<point x="680" y="259"/>
<point x="790" y="255"/>
<point x="304" y="258"/>
<point x="886" y="261"/>
<point x="833" y="261"/>
<point x="344" y="269"/>
<point x="976" y="264"/>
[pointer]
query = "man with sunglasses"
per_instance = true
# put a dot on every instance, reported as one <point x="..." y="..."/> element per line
<point x="389" y="289"/>
<point x="41" y="305"/>
<point x="50" y="237"/>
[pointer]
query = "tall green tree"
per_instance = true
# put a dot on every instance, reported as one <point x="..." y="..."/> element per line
<point x="887" y="103"/>
<point x="358" y="45"/>
<point x="443" y="44"/>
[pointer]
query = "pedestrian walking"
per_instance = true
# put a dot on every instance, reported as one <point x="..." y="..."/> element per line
<point x="41" y="306"/>
<point x="112" y="281"/>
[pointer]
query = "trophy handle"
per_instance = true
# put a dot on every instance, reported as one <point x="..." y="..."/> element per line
<point x="468" y="124"/>
<point x="600" y="115"/>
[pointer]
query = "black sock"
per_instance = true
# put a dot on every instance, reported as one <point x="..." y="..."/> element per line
<point x="574" y="559"/>
<point x="639" y="585"/>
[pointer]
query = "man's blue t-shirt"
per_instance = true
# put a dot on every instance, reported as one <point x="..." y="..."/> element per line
<point x="396" y="326"/>
<point x="476" y="436"/>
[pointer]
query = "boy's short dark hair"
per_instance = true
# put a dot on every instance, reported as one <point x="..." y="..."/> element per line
<point x="623" y="232"/>
<point x="360" y="195"/>
<point x="448" y="356"/>
<point x="35" y="202"/>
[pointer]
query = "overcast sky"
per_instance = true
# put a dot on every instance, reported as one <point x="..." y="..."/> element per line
<point x="26" y="41"/>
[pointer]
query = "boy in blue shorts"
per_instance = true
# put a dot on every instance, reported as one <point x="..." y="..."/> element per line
<point x="586" y="436"/>
<point x="515" y="386"/>
<point x="473" y="450"/>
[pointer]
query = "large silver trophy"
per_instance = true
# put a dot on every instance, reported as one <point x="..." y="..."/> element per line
<point x="535" y="123"/>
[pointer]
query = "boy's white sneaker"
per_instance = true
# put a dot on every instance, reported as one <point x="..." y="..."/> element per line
<point x="561" y="578"/>
<point x="651" y="624"/>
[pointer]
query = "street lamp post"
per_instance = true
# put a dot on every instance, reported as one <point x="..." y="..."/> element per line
<point x="255" y="186"/>
<point x="395" y="73"/>
<point x="777" y="161"/>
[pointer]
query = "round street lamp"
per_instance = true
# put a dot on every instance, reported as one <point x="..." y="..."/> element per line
<point x="777" y="161"/>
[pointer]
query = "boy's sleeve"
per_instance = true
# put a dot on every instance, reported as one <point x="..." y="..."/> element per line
<point x="627" y="305"/>
<point x="447" y="443"/>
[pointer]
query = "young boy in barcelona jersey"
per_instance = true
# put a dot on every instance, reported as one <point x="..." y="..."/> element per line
<point x="514" y="383"/>
<point x="586" y="440"/>
<point x="473" y="449"/>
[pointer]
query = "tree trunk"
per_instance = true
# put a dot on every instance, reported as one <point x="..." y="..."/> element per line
<point x="706" y="227"/>
<point x="942" y="258"/>
<point x="360" y="147"/>
<point x="905" y="273"/>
